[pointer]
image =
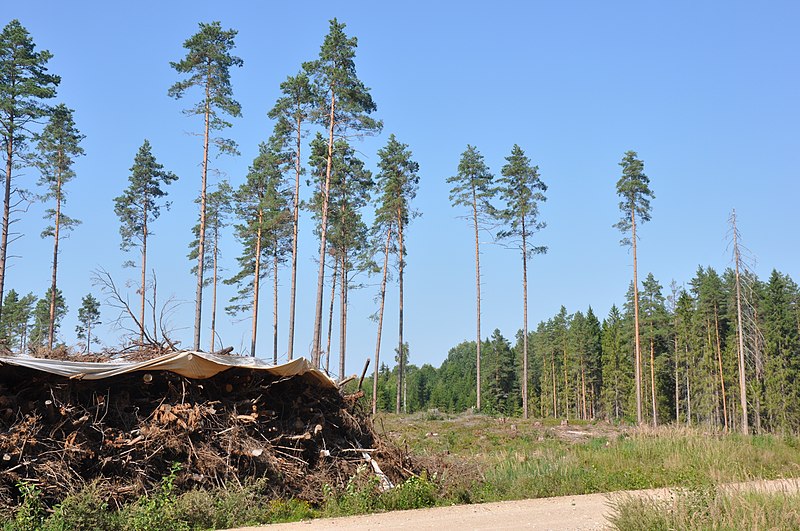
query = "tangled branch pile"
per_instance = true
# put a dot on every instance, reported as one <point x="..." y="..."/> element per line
<point x="127" y="431"/>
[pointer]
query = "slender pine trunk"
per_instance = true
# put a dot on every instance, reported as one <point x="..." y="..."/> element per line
<point x="401" y="351"/>
<point x="6" y="204"/>
<point x="342" y="312"/>
<point x="380" y="323"/>
<point x="334" y="277"/>
<point x="256" y="282"/>
<point x="214" y="285"/>
<point x="524" y="321"/>
<point x="295" y="218"/>
<point x="56" y="231"/>
<point x="653" y="381"/>
<point x="477" y="298"/>
<point x="143" y="272"/>
<point x="638" y="350"/>
<point x="275" y="303"/>
<point x="315" y="352"/>
<point x="201" y="240"/>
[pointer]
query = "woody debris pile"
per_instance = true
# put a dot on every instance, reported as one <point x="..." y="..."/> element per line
<point x="222" y="418"/>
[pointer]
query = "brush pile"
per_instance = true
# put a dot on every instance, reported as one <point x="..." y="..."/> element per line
<point x="127" y="431"/>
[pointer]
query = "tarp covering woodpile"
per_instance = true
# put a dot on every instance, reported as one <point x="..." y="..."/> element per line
<point x="223" y="418"/>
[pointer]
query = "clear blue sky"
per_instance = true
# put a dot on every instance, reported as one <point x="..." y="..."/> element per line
<point x="705" y="92"/>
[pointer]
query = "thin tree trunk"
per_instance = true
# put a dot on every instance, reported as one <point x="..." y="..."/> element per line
<point x="256" y="282"/>
<point x="401" y="352"/>
<point x="201" y="240"/>
<point x="334" y="276"/>
<point x="380" y="324"/>
<point x="653" y="380"/>
<point x="275" y="304"/>
<point x="295" y="217"/>
<point x="52" y="324"/>
<point x="583" y="389"/>
<point x="688" y="392"/>
<point x="740" y="331"/>
<point x="566" y="381"/>
<point x="214" y="286"/>
<point x="6" y="204"/>
<point x="555" y="392"/>
<point x="524" y="321"/>
<point x="143" y="272"/>
<point x="677" y="381"/>
<point x="477" y="298"/>
<point x="343" y="313"/>
<point x="315" y="352"/>
<point x="638" y="356"/>
<point x="721" y="377"/>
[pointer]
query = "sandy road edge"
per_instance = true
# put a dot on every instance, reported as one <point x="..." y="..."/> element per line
<point x="586" y="511"/>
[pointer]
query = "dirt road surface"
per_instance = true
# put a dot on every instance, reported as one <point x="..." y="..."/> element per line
<point x="583" y="512"/>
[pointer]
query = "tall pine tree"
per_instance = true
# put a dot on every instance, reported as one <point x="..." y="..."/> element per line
<point x="633" y="187"/>
<point x="58" y="147"/>
<point x="207" y="66"/>
<point x="138" y="207"/>
<point x="473" y="189"/>
<point x="521" y="191"/>
<point x="25" y="85"/>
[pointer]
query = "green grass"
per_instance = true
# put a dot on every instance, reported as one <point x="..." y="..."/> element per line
<point x="709" y="509"/>
<point x="520" y="460"/>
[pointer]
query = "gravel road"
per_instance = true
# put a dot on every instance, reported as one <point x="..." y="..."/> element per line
<point x="563" y="513"/>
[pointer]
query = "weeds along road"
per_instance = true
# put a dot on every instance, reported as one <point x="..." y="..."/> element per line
<point x="588" y="511"/>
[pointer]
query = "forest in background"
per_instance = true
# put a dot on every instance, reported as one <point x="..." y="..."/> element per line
<point x="581" y="367"/>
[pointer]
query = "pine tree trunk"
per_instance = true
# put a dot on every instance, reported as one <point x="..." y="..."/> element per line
<point x="6" y="205"/>
<point x="555" y="391"/>
<point x="57" y="228"/>
<point x="401" y="352"/>
<point x="315" y="352"/>
<point x="214" y="286"/>
<point x="275" y="304"/>
<point x="524" y="321"/>
<point x="638" y="356"/>
<point x="380" y="324"/>
<point x="201" y="240"/>
<point x="334" y="277"/>
<point x="677" y="380"/>
<point x="566" y="381"/>
<point x="721" y="377"/>
<point x="740" y="333"/>
<point x="342" y="313"/>
<point x="295" y="218"/>
<point x="256" y="282"/>
<point x="143" y="272"/>
<point x="653" y="380"/>
<point x="583" y="389"/>
<point x="477" y="299"/>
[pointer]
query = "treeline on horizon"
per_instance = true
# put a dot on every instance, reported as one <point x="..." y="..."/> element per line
<point x="582" y="367"/>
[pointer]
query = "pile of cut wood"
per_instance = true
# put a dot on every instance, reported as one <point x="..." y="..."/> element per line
<point x="127" y="430"/>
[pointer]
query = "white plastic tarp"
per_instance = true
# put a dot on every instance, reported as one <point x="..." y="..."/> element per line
<point x="191" y="364"/>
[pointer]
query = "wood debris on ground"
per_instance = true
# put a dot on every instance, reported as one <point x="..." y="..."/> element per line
<point x="127" y="431"/>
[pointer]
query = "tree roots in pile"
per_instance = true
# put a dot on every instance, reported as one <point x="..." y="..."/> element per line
<point x="127" y="432"/>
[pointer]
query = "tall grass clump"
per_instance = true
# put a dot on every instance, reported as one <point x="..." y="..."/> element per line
<point x="710" y="508"/>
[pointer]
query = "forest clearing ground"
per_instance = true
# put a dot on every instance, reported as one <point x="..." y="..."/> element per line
<point x="587" y="511"/>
